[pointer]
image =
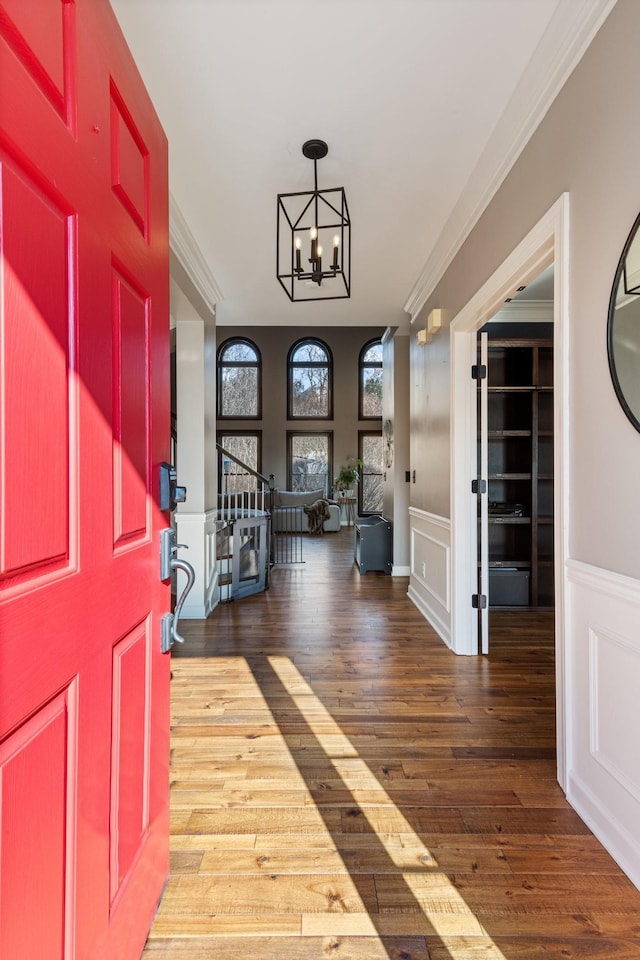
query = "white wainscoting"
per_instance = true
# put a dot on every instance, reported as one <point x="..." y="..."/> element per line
<point x="430" y="574"/>
<point x="198" y="532"/>
<point x="603" y="701"/>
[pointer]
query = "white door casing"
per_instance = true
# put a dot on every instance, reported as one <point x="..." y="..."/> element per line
<point x="546" y="243"/>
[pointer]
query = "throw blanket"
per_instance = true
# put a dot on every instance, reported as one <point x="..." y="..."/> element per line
<point x="317" y="513"/>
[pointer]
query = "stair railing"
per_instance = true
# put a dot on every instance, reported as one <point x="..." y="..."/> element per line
<point x="236" y="502"/>
<point x="244" y="494"/>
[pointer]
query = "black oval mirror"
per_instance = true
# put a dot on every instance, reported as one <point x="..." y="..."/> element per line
<point x="623" y="328"/>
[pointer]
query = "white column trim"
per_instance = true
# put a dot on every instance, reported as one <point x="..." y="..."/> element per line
<point x="198" y="532"/>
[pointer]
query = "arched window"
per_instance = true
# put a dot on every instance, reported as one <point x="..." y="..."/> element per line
<point x="239" y="380"/>
<point x="310" y="381"/>
<point x="370" y="381"/>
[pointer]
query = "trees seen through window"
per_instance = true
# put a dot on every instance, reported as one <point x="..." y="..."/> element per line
<point x="309" y="458"/>
<point x="370" y="380"/>
<point x="245" y="448"/>
<point x="371" y="487"/>
<point x="239" y="380"/>
<point x="310" y="383"/>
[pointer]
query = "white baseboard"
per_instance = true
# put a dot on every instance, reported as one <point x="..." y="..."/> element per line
<point x="439" y="625"/>
<point x="397" y="571"/>
<point x="624" y="848"/>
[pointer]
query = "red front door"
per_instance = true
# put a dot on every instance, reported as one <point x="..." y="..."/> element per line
<point x="84" y="417"/>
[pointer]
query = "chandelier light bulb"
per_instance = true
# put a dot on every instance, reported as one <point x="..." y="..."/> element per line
<point x="336" y="245"/>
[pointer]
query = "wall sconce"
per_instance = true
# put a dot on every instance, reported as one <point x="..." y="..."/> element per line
<point x="434" y="322"/>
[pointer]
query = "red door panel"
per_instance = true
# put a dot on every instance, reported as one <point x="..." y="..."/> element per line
<point x="34" y="370"/>
<point x="131" y="412"/>
<point x="129" y="753"/>
<point x="42" y="36"/>
<point x="129" y="162"/>
<point x="84" y="420"/>
<point x="41" y="750"/>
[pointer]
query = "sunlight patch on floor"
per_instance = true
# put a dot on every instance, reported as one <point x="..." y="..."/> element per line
<point x="425" y="887"/>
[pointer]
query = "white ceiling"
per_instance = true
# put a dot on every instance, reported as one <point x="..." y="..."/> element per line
<point x="420" y="101"/>
<point x="540" y="289"/>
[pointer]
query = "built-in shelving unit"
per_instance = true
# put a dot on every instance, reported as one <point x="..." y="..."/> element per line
<point x="520" y="472"/>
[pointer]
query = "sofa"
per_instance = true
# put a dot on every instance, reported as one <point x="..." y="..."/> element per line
<point x="288" y="515"/>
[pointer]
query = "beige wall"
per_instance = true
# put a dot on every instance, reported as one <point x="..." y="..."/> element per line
<point x="274" y="343"/>
<point x="395" y="394"/>
<point x="588" y="145"/>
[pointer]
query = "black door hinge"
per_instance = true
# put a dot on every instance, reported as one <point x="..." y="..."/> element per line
<point x="479" y="601"/>
<point x="479" y="371"/>
<point x="478" y="486"/>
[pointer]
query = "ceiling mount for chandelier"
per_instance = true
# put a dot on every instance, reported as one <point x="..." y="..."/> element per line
<point x="314" y="238"/>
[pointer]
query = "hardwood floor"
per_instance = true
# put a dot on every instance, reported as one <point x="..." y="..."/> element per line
<point x="344" y="786"/>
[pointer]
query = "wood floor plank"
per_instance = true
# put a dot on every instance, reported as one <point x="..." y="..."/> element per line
<point x="214" y="841"/>
<point x="188" y="896"/>
<point x="520" y="820"/>
<point x="576" y="856"/>
<point x="526" y="948"/>
<point x="196" y="927"/>
<point x="351" y="859"/>
<point x="206" y="799"/>
<point x="488" y="894"/>
<point x="510" y="770"/>
<point x="303" y="948"/>
<point x="342" y="785"/>
<point x="431" y="795"/>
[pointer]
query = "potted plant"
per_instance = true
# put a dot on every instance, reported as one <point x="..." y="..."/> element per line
<point x="348" y="477"/>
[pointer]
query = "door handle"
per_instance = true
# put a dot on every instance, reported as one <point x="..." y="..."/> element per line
<point x="169" y="561"/>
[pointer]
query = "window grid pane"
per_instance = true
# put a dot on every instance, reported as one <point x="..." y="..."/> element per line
<point x="239" y="387"/>
<point x="239" y="380"/>
<point x="371" y="490"/>
<point x="373" y="354"/>
<point x="371" y="386"/>
<point x="245" y="447"/>
<point x="239" y="352"/>
<point x="309" y="462"/>
<point x="309" y="381"/>
<point x="310" y="352"/>
<point x="309" y="391"/>
<point x="370" y="381"/>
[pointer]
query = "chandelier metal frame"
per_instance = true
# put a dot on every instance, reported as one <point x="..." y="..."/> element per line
<point x="314" y="217"/>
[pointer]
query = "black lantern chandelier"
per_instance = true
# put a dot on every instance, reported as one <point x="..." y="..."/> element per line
<point x="314" y="238"/>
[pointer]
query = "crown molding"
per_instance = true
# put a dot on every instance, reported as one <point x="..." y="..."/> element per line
<point x="183" y="245"/>
<point x="389" y="334"/>
<point x="564" y="42"/>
